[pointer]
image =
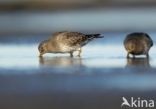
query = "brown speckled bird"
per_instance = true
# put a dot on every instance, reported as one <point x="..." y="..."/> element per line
<point x="66" y="42"/>
<point x="138" y="44"/>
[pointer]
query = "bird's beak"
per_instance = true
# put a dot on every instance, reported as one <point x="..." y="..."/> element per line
<point x="41" y="54"/>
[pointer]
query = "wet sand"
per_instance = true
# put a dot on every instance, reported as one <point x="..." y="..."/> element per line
<point x="96" y="80"/>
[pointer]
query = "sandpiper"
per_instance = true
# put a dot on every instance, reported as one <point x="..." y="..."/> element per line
<point x="66" y="42"/>
<point x="138" y="44"/>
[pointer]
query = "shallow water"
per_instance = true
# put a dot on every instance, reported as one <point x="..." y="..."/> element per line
<point x="89" y="80"/>
<point x="107" y="52"/>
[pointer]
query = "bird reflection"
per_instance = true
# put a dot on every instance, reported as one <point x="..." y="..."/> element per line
<point x="138" y="62"/>
<point x="60" y="61"/>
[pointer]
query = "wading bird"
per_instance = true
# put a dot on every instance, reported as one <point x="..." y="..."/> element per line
<point x="66" y="42"/>
<point x="138" y="44"/>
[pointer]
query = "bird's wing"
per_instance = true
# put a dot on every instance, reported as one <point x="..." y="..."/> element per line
<point x="56" y="34"/>
<point x="74" y="38"/>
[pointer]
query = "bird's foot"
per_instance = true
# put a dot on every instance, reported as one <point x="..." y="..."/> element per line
<point x="71" y="54"/>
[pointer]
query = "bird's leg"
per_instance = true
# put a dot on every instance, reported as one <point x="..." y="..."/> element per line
<point x="128" y="55"/>
<point x="71" y="54"/>
<point x="147" y="55"/>
<point x="79" y="52"/>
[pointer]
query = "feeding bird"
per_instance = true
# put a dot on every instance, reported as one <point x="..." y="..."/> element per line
<point x="66" y="42"/>
<point x="138" y="44"/>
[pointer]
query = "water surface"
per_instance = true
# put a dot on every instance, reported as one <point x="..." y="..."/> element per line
<point x="102" y="75"/>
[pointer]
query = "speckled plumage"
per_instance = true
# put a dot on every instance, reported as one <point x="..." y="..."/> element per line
<point x="66" y="42"/>
<point x="138" y="44"/>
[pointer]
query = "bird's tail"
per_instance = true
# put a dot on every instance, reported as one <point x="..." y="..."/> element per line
<point x="94" y="36"/>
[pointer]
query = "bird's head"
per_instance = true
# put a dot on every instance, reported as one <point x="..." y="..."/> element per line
<point x="42" y="48"/>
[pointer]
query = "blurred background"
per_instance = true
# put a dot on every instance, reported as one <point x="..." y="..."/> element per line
<point x="97" y="80"/>
<point x="47" y="16"/>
